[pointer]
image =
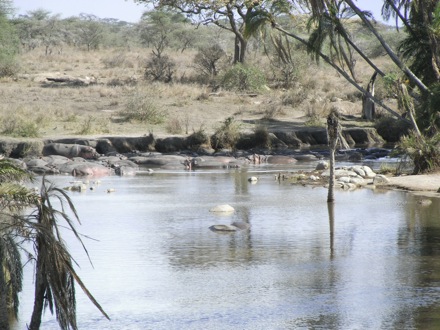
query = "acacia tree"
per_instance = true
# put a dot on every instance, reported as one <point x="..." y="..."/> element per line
<point x="89" y="31"/>
<point x="8" y="41"/>
<point x="228" y="15"/>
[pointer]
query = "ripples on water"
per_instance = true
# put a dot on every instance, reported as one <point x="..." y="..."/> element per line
<point x="371" y="263"/>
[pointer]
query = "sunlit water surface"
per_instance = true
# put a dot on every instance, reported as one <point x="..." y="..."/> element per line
<point x="371" y="263"/>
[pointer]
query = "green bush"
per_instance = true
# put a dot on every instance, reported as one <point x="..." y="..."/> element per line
<point x="424" y="152"/>
<point x="243" y="78"/>
<point x="198" y="138"/>
<point x="227" y="135"/>
<point x="8" y="48"/>
<point x="19" y="126"/>
<point x="93" y="125"/>
<point x="141" y="108"/>
<point x="160" y="69"/>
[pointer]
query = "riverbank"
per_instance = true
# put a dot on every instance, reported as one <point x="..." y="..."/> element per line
<point x="423" y="184"/>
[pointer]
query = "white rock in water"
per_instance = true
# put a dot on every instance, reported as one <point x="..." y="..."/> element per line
<point x="225" y="208"/>
<point x="253" y="179"/>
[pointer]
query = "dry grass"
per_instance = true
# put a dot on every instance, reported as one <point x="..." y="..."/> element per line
<point x="95" y="109"/>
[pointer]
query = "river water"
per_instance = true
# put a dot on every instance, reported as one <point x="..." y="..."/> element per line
<point x="371" y="262"/>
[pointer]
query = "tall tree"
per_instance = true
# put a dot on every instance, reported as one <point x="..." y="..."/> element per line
<point x="8" y="41"/>
<point x="228" y="15"/>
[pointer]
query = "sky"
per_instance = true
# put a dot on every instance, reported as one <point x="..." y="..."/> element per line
<point x="124" y="10"/>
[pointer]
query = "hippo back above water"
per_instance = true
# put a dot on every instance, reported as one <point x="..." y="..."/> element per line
<point x="70" y="150"/>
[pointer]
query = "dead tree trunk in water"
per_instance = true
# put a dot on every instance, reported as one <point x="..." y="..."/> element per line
<point x="333" y="137"/>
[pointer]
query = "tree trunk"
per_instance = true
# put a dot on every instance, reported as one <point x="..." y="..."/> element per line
<point x="236" y="51"/>
<point x="40" y="291"/>
<point x="4" y="315"/>
<point x="331" y="180"/>
<point x="240" y="49"/>
<point x="368" y="106"/>
<point x="333" y="137"/>
<point x="331" y="220"/>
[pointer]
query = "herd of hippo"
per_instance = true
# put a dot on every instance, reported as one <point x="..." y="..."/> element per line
<point x="83" y="160"/>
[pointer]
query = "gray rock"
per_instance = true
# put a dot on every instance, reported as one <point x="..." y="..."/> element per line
<point x="322" y="165"/>
<point x="223" y="228"/>
<point x="380" y="179"/>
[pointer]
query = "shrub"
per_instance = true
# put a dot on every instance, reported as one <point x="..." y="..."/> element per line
<point x="206" y="61"/>
<point x="8" y="66"/>
<point x="174" y="126"/>
<point x="227" y="135"/>
<point x="272" y="110"/>
<point x="19" y="126"/>
<point x="262" y="137"/>
<point x="24" y="121"/>
<point x="160" y="69"/>
<point x="424" y="152"/>
<point x="141" y="108"/>
<point x="114" y="61"/>
<point x="93" y="125"/>
<point x="198" y="138"/>
<point x="294" y="97"/>
<point x="243" y="78"/>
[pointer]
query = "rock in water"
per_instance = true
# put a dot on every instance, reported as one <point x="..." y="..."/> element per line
<point x="225" y="228"/>
<point x="225" y="208"/>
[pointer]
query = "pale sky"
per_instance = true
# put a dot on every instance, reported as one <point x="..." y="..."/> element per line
<point x="124" y="10"/>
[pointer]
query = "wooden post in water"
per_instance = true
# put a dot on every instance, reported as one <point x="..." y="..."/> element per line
<point x="333" y="133"/>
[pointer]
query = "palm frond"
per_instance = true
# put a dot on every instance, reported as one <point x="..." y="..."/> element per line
<point x="9" y="172"/>
<point x="12" y="271"/>
<point x="255" y="19"/>
<point x="15" y="196"/>
<point x="56" y="274"/>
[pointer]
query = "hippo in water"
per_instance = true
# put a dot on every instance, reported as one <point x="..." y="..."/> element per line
<point x="70" y="150"/>
<point x="233" y="227"/>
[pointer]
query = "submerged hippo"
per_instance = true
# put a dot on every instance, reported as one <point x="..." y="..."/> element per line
<point x="233" y="227"/>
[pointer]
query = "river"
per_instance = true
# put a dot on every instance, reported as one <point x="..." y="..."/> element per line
<point x="371" y="262"/>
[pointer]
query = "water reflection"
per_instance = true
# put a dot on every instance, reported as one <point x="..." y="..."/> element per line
<point x="370" y="261"/>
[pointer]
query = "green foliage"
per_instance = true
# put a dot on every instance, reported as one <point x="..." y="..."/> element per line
<point x="19" y="126"/>
<point x="199" y="138"/>
<point x="160" y="69"/>
<point x="428" y="112"/>
<point x="227" y="135"/>
<point x="142" y="108"/>
<point x="424" y="152"/>
<point x="243" y="78"/>
<point x="261" y="137"/>
<point x="206" y="61"/>
<point x="8" y="48"/>
<point x="93" y="125"/>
